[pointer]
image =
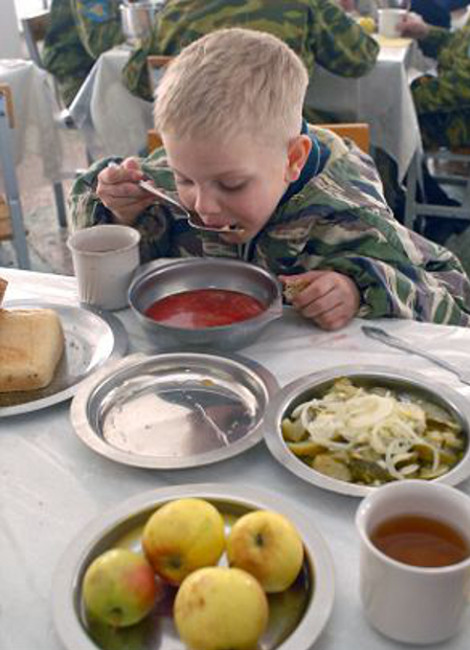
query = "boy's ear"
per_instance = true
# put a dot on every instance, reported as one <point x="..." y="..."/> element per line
<point x="297" y="154"/>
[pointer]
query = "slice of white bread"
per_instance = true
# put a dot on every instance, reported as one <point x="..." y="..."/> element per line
<point x="31" y="345"/>
<point x="3" y="288"/>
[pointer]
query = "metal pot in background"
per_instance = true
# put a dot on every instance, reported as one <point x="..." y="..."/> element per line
<point x="137" y="18"/>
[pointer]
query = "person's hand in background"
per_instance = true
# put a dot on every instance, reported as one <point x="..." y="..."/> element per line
<point x="328" y="298"/>
<point x="413" y="26"/>
<point x="118" y="189"/>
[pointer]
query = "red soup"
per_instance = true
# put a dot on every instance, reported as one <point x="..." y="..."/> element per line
<point x="202" y="308"/>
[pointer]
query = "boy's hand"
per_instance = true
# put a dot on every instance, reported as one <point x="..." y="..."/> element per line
<point x="119" y="191"/>
<point x="330" y="299"/>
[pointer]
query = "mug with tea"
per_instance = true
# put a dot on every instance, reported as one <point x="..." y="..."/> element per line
<point x="104" y="260"/>
<point x="415" y="560"/>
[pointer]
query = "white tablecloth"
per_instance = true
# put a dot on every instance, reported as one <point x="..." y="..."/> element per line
<point x="51" y="484"/>
<point x="37" y="138"/>
<point x="116" y="122"/>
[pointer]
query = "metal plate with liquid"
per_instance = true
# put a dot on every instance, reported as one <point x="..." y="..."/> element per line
<point x="173" y="410"/>
<point x="92" y="338"/>
<point x="297" y="616"/>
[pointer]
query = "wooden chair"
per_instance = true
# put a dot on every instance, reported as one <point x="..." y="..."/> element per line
<point x="11" y="213"/>
<point x="357" y="132"/>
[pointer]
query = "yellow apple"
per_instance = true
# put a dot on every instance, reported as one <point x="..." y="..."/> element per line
<point x="119" y="588"/>
<point x="219" y="607"/>
<point x="267" y="545"/>
<point x="182" y="536"/>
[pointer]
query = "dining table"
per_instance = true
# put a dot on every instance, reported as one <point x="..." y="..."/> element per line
<point x="116" y="122"/>
<point x="37" y="137"/>
<point x="52" y="484"/>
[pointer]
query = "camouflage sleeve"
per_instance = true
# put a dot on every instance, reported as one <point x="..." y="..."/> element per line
<point x="98" y="24"/>
<point x="450" y="90"/>
<point x="135" y="74"/>
<point x="402" y="275"/>
<point x="154" y="224"/>
<point x="437" y="38"/>
<point x="340" y="44"/>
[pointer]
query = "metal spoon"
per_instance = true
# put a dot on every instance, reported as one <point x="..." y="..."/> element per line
<point x="384" y="337"/>
<point x="191" y="217"/>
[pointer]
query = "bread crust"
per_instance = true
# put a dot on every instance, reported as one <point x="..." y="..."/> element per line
<point x="3" y="288"/>
<point x="31" y="346"/>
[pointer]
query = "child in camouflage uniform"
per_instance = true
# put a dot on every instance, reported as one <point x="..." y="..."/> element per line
<point x="310" y="205"/>
<point x="79" y="31"/>
<point x="442" y="102"/>
<point x="318" y="30"/>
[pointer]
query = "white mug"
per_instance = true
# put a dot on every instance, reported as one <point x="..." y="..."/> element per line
<point x="408" y="603"/>
<point x="104" y="260"/>
<point x="388" y="21"/>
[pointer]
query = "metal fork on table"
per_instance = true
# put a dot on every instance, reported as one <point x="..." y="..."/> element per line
<point x="395" y="342"/>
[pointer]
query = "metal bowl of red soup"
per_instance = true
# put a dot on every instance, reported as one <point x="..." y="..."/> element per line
<point x="210" y="303"/>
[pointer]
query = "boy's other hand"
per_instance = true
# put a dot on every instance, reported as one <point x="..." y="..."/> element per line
<point x="413" y="26"/>
<point x="328" y="298"/>
<point x="118" y="190"/>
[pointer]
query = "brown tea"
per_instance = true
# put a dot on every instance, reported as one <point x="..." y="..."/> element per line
<point x="420" y="541"/>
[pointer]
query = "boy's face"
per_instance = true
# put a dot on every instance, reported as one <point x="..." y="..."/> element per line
<point x="238" y="184"/>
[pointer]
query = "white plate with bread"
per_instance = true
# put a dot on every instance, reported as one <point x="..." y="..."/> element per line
<point x="47" y="349"/>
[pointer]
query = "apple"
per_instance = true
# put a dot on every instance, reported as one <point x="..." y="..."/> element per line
<point x="119" y="588"/>
<point x="267" y="545"/>
<point x="219" y="607"/>
<point x="182" y="536"/>
<point x="141" y="636"/>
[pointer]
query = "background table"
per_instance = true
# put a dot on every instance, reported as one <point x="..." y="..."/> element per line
<point x="36" y="136"/>
<point x="51" y="484"/>
<point x="116" y="122"/>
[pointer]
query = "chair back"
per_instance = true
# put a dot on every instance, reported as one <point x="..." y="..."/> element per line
<point x="358" y="132"/>
<point x="34" y="30"/>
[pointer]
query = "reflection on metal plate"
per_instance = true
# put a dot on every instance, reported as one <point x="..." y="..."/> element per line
<point x="91" y="338"/>
<point x="173" y="410"/>
<point x="297" y="616"/>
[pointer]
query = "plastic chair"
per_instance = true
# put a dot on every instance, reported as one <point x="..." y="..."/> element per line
<point x="415" y="208"/>
<point x="12" y="224"/>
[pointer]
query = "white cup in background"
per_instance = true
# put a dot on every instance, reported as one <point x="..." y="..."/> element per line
<point x="408" y="603"/>
<point x="388" y="21"/>
<point x="104" y="260"/>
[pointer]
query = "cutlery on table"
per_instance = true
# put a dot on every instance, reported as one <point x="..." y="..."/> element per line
<point x="393" y="341"/>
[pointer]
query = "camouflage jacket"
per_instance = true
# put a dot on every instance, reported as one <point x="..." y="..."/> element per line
<point x="338" y="220"/>
<point x="450" y="90"/>
<point x="79" y="31"/>
<point x="318" y="30"/>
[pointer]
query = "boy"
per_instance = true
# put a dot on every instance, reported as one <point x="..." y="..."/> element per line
<point x="310" y="206"/>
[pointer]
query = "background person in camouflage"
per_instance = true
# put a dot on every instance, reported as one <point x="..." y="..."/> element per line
<point x="318" y="30"/>
<point x="80" y="30"/>
<point x="443" y="101"/>
<point x="309" y="204"/>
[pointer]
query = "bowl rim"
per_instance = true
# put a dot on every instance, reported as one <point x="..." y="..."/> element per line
<point x="272" y="311"/>
<point x="284" y="398"/>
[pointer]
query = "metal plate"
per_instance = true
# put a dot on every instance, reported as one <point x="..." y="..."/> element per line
<point x="408" y="383"/>
<point x="297" y="616"/>
<point x="171" y="411"/>
<point x="91" y="338"/>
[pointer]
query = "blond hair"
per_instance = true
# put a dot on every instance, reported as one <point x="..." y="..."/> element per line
<point x="233" y="81"/>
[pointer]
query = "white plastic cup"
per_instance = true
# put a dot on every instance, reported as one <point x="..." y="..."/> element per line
<point x="104" y="260"/>
<point x="389" y="20"/>
<point x="408" y="603"/>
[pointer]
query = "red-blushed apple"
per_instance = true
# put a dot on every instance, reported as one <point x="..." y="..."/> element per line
<point x="267" y="545"/>
<point x="182" y="536"/>
<point x="219" y="607"/>
<point x="119" y="588"/>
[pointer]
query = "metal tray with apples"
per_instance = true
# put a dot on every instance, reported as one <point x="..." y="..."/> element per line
<point x="297" y="616"/>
